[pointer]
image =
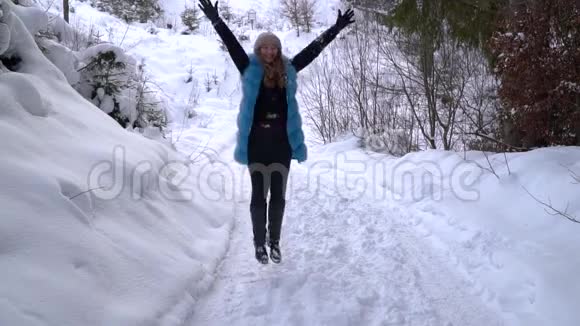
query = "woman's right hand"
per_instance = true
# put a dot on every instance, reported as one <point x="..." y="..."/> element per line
<point x="210" y="11"/>
<point x="345" y="19"/>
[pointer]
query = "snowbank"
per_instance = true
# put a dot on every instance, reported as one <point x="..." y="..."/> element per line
<point x="518" y="257"/>
<point x="137" y="251"/>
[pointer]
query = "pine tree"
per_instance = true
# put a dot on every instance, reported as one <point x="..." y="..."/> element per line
<point x="146" y="10"/>
<point x="130" y="10"/>
<point x="107" y="78"/>
<point x="191" y="18"/>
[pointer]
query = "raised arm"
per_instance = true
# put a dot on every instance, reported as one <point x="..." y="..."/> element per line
<point x="235" y="49"/>
<point x="313" y="50"/>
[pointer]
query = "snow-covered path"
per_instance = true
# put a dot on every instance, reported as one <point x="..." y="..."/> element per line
<point x="346" y="262"/>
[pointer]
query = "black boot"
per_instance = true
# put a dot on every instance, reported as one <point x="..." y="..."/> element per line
<point x="275" y="218"/>
<point x="275" y="253"/>
<point x="258" y="213"/>
<point x="262" y="254"/>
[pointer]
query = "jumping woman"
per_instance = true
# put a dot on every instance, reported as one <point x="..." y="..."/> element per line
<point x="269" y="124"/>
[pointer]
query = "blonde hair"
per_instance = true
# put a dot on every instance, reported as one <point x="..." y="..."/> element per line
<point x="274" y="72"/>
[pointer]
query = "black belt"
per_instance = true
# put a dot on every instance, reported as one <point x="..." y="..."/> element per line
<point x="271" y="119"/>
<point x="269" y="124"/>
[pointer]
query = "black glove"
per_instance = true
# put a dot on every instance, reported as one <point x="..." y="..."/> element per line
<point x="344" y="20"/>
<point x="210" y="11"/>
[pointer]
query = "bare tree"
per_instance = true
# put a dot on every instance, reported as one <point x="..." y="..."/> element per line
<point x="307" y="10"/>
<point x="451" y="69"/>
<point x="322" y="94"/>
<point x="226" y="10"/>
<point x="478" y="120"/>
<point x="348" y="92"/>
<point x="372" y="100"/>
<point x="356" y="57"/>
<point x="433" y="78"/>
<point x="399" y="92"/>
<point x="291" y="10"/>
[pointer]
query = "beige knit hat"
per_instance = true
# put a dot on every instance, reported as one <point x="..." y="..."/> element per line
<point x="267" y="38"/>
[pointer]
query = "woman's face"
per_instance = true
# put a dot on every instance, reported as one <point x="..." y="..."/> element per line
<point x="268" y="53"/>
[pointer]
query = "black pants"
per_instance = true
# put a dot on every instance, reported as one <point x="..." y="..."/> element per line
<point x="269" y="156"/>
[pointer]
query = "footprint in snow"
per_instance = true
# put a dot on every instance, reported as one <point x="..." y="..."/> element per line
<point x="369" y="298"/>
<point x="258" y="310"/>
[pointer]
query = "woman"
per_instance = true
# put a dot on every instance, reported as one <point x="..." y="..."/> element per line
<point x="269" y="124"/>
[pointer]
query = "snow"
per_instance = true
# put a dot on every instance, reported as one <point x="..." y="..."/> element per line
<point x="431" y="238"/>
<point x="522" y="257"/>
<point x="368" y="240"/>
<point x="72" y="257"/>
<point x="347" y="260"/>
<point x="4" y="30"/>
<point x="34" y="18"/>
<point x="64" y="58"/>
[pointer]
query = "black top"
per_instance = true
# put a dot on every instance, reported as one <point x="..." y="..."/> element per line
<point x="271" y="104"/>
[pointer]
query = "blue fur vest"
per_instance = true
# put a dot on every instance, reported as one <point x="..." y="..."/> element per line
<point x="251" y="82"/>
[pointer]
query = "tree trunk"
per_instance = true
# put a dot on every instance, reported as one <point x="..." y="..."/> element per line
<point x="427" y="58"/>
<point x="577" y="119"/>
<point x="65" y="9"/>
<point x="510" y="135"/>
